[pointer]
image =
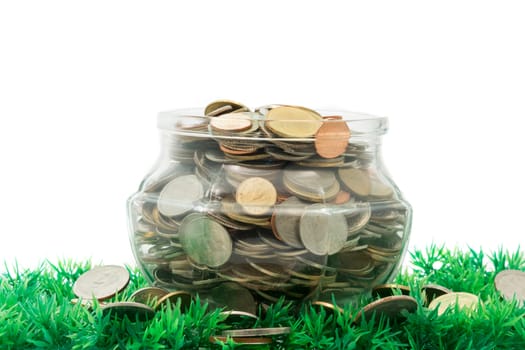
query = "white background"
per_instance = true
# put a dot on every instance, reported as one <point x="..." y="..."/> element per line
<point x="81" y="84"/>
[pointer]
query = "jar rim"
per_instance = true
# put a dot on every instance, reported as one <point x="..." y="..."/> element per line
<point x="360" y="124"/>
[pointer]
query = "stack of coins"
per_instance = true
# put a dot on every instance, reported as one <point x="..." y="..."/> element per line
<point x="279" y="201"/>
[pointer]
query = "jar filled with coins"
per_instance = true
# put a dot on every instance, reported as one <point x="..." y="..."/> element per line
<point x="247" y="206"/>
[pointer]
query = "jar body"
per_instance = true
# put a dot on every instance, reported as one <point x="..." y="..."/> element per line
<point x="244" y="218"/>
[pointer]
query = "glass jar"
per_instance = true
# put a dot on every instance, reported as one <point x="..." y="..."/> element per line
<point x="247" y="207"/>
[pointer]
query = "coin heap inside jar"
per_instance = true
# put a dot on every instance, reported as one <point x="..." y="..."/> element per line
<point x="256" y="205"/>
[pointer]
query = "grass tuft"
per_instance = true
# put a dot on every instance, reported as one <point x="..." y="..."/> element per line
<point x="36" y="313"/>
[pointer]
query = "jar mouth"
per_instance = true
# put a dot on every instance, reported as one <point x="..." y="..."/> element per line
<point x="193" y="122"/>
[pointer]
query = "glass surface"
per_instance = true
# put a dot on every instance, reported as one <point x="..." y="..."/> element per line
<point x="249" y="216"/>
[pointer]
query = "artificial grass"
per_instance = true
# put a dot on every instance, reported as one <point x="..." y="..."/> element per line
<point x="36" y="313"/>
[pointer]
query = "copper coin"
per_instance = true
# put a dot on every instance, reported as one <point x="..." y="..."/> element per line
<point x="390" y="307"/>
<point x="387" y="290"/>
<point x="342" y="197"/>
<point x="231" y="122"/>
<point x="101" y="282"/>
<point x="511" y="285"/>
<point x="331" y="138"/>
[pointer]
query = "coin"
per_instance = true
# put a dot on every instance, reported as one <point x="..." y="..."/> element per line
<point x="241" y="340"/>
<point x="233" y="297"/>
<point x="331" y="138"/>
<point x="329" y="308"/>
<point x="286" y="217"/>
<point x="205" y="241"/>
<point x="101" y="282"/>
<point x="256" y="195"/>
<point x="235" y="316"/>
<point x="131" y="310"/>
<point x="511" y="285"/>
<point x="148" y="295"/>
<point x="355" y="180"/>
<point x="450" y="300"/>
<point x="322" y="231"/>
<point x="432" y="291"/>
<point x="387" y="290"/>
<point x="172" y="299"/>
<point x="218" y="107"/>
<point x="231" y="122"/>
<point x="179" y="195"/>
<point x="390" y="307"/>
<point x="256" y="332"/>
<point x="290" y="121"/>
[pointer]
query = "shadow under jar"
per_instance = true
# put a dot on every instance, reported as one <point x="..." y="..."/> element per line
<point x="247" y="207"/>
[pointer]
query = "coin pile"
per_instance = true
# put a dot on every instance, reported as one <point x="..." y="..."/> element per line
<point x="104" y="282"/>
<point x="273" y="202"/>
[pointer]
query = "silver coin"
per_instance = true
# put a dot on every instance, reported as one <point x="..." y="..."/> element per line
<point x="131" y="310"/>
<point x="286" y="221"/>
<point x="179" y="195"/>
<point x="323" y="232"/>
<point x="205" y="241"/>
<point x="101" y="282"/>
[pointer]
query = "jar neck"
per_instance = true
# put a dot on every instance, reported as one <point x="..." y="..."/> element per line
<point x="175" y="147"/>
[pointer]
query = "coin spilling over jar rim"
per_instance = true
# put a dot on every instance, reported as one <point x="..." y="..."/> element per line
<point x="245" y="206"/>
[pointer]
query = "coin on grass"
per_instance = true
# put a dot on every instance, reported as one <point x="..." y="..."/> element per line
<point x="231" y="122"/>
<point x="451" y="300"/>
<point x="172" y="299"/>
<point x="256" y="196"/>
<point x="178" y="196"/>
<point x="391" y="307"/>
<point x="205" y="241"/>
<point x="131" y="310"/>
<point x="323" y="231"/>
<point x="101" y="282"/>
<point x="256" y="332"/>
<point x="511" y="285"/>
<point x="356" y="180"/>
<point x="241" y="340"/>
<point x="291" y="121"/>
<point x="329" y="308"/>
<point x="432" y="291"/>
<point x="234" y="316"/>
<point x="234" y="297"/>
<point x="331" y="138"/>
<point x="148" y="295"/>
<point x="387" y="290"/>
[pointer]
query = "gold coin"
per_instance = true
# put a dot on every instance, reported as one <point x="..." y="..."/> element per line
<point x="256" y="196"/>
<point x="101" y="282"/>
<point x="355" y="180"/>
<point x="231" y="122"/>
<point x="290" y="121"/>
<point x="511" y="285"/>
<point x="331" y="139"/>
<point x="450" y="300"/>
<point x="329" y="308"/>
